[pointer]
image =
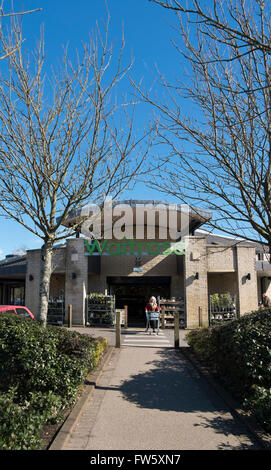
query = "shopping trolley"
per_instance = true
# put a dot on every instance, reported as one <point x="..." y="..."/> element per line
<point x="150" y="316"/>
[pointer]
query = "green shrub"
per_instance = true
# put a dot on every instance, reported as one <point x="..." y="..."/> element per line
<point x="47" y="405"/>
<point x="259" y="403"/>
<point x="240" y="353"/>
<point x="199" y="340"/>
<point x="220" y="301"/>
<point x="21" y="421"/>
<point x="19" y="426"/>
<point x="45" y="367"/>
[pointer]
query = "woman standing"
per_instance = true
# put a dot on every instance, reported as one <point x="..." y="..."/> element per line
<point x="150" y="308"/>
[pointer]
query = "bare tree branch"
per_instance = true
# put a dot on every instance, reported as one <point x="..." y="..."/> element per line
<point x="219" y="148"/>
<point x="227" y="20"/>
<point x="14" y="24"/>
<point x="65" y="141"/>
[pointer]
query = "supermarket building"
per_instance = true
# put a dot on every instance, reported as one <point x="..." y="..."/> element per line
<point x="209" y="264"/>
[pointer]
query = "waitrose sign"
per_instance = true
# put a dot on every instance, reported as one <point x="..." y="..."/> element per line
<point x="133" y="247"/>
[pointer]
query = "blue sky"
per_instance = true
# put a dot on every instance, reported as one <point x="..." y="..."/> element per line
<point x="148" y="30"/>
<point x="147" y="34"/>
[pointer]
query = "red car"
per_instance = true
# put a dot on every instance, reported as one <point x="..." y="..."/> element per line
<point x="17" y="309"/>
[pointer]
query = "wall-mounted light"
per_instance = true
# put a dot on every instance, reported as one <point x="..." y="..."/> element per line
<point x="74" y="275"/>
<point x="248" y="276"/>
<point x="197" y="276"/>
<point x="31" y="278"/>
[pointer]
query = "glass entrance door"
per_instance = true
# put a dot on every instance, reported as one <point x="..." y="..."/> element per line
<point x="16" y="295"/>
<point x="136" y="294"/>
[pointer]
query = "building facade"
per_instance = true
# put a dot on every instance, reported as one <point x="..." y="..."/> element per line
<point x="210" y="264"/>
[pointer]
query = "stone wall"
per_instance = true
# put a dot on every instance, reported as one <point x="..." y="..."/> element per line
<point x="76" y="279"/>
<point x="57" y="286"/>
<point x="220" y="283"/>
<point x="32" y="286"/>
<point x="247" y="295"/>
<point x="160" y="265"/>
<point x="59" y="260"/>
<point x="196" y="288"/>
<point x="177" y="286"/>
<point x="97" y="284"/>
<point x="228" y="272"/>
<point x="33" y="272"/>
<point x="221" y="258"/>
<point x="266" y="287"/>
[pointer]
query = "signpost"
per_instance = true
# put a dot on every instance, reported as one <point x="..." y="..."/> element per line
<point x="176" y="329"/>
<point x="163" y="317"/>
<point x="200" y="316"/>
<point x="69" y="315"/>
<point x="125" y="316"/>
<point x="118" y="329"/>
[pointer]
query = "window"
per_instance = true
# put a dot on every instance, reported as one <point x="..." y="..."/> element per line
<point x="18" y="295"/>
<point x="22" y="312"/>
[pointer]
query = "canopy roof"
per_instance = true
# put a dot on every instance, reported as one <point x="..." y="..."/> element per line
<point x="142" y="209"/>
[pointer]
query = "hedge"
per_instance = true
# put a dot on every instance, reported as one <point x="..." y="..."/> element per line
<point x="41" y="371"/>
<point x="239" y="352"/>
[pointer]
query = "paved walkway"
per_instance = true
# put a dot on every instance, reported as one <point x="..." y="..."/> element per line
<point x="134" y="334"/>
<point x="150" y="398"/>
<point x="141" y="339"/>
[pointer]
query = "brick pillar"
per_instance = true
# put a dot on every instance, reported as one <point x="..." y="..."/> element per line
<point x="266" y="287"/>
<point x="76" y="279"/>
<point x="196" y="290"/>
<point x="247" y="296"/>
<point x="32" y="281"/>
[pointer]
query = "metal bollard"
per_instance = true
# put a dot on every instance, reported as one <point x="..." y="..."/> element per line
<point x="200" y="316"/>
<point x="86" y="311"/>
<point x="69" y="316"/>
<point x="126" y="316"/>
<point x="118" y="329"/>
<point x="163" y="317"/>
<point x="176" y="329"/>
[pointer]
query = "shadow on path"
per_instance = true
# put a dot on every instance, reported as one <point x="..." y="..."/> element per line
<point x="173" y="384"/>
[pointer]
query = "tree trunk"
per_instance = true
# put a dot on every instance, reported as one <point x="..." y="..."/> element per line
<point x="46" y="270"/>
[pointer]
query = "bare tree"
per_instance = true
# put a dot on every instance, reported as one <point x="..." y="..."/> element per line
<point x="65" y="139"/>
<point x="216" y="122"/>
<point x="227" y="20"/>
<point x="13" y="26"/>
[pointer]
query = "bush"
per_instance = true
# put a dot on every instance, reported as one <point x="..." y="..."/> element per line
<point x="40" y="373"/>
<point x="240" y="353"/>
<point x="19" y="427"/>
<point x="259" y="403"/>
<point x="199" y="340"/>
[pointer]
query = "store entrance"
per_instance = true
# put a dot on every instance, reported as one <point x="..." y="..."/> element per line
<point x="135" y="293"/>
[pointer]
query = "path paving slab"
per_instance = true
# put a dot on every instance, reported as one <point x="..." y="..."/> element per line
<point x="151" y="398"/>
